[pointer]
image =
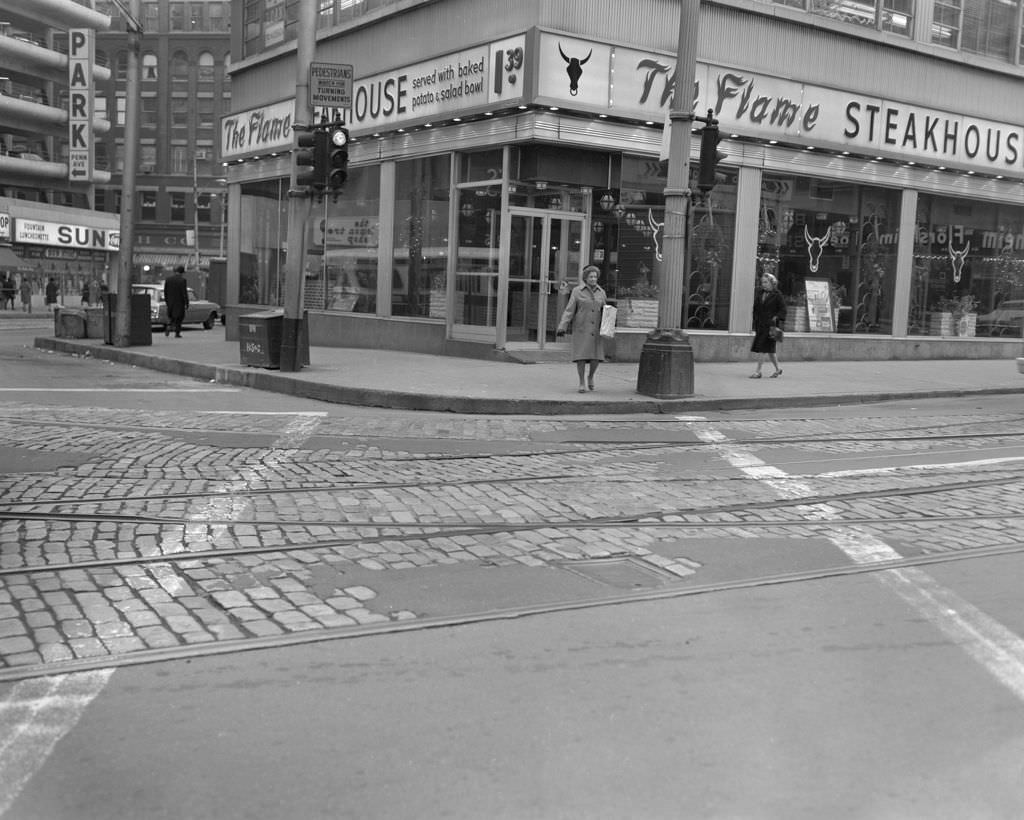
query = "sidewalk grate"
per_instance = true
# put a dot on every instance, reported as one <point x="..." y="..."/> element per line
<point x="620" y="573"/>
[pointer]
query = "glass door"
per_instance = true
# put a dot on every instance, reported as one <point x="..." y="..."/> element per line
<point x="545" y="258"/>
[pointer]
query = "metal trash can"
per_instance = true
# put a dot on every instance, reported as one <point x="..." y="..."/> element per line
<point x="140" y="329"/>
<point x="259" y="338"/>
<point x="95" y="323"/>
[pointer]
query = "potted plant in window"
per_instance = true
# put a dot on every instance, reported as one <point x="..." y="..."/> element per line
<point x="638" y="305"/>
<point x="955" y="316"/>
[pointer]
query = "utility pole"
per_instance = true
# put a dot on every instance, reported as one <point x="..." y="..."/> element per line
<point x="299" y="205"/>
<point x="666" y="361"/>
<point x="195" y="205"/>
<point x="123" y="286"/>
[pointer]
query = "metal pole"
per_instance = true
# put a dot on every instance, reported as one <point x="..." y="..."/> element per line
<point x="195" y="208"/>
<point x="123" y="288"/>
<point x="666" y="362"/>
<point x="299" y="207"/>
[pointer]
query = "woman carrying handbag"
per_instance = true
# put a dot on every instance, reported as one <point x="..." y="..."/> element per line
<point x="769" y="314"/>
<point x="582" y="318"/>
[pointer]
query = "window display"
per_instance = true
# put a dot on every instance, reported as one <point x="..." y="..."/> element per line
<point x="815" y="234"/>
<point x="968" y="276"/>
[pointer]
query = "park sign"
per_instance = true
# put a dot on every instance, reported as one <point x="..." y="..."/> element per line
<point x="330" y="85"/>
<point x="81" y="56"/>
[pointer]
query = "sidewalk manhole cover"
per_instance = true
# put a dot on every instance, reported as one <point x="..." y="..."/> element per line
<point x="621" y="573"/>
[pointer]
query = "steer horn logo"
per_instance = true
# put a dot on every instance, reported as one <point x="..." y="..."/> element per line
<point x="574" y="69"/>
<point x="657" y="227"/>
<point x="958" y="257"/>
<point x="815" y="245"/>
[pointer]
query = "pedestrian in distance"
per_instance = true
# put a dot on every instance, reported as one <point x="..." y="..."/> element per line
<point x="582" y="319"/>
<point x="769" y="314"/>
<point x="50" y="294"/>
<point x="9" y="289"/>
<point x="176" y="299"/>
<point x="26" y="294"/>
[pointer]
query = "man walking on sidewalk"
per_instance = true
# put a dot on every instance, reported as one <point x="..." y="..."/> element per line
<point x="176" y="298"/>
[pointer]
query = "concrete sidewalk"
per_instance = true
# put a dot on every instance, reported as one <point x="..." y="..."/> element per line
<point x="411" y="381"/>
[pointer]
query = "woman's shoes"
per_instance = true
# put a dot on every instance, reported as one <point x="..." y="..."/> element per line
<point x="590" y="384"/>
<point x="754" y="376"/>
<point x="776" y="374"/>
<point x="582" y="389"/>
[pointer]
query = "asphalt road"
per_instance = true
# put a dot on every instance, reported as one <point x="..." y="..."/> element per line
<point x="216" y="603"/>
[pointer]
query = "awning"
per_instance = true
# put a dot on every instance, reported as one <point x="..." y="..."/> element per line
<point x="9" y="259"/>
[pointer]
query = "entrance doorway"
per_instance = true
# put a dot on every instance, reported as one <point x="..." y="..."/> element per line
<point x="546" y="252"/>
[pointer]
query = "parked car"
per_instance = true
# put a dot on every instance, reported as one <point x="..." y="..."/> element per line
<point x="1005" y="320"/>
<point x="200" y="311"/>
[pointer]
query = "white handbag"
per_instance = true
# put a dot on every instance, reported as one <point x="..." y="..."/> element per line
<point x="608" y="316"/>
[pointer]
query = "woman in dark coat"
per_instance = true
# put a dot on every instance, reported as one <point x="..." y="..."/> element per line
<point x="769" y="312"/>
<point x="582" y="318"/>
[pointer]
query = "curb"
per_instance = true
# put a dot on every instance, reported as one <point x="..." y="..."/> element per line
<point x="276" y="382"/>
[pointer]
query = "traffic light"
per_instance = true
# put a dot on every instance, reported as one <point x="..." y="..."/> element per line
<point x="337" y="162"/>
<point x="710" y="156"/>
<point x="311" y="160"/>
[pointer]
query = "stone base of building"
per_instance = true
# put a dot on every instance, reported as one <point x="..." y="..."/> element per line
<point x="425" y="336"/>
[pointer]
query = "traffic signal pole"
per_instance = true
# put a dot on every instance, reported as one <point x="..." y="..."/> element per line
<point x="666" y="361"/>
<point x="299" y="204"/>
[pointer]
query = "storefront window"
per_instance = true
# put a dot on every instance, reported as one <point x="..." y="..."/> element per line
<point x="348" y="231"/>
<point x="832" y="245"/>
<point x="477" y="259"/>
<point x="968" y="276"/>
<point x="628" y="243"/>
<point x="421" y="235"/>
<point x="263" y="233"/>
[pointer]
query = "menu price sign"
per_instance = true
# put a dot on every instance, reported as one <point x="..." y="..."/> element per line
<point x="819" y="306"/>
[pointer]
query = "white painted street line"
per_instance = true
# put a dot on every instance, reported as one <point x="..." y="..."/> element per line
<point x="33" y="717"/>
<point x="982" y="462"/>
<point x="996" y="648"/>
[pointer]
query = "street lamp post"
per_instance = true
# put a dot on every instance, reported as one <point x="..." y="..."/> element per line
<point x="666" y="361"/>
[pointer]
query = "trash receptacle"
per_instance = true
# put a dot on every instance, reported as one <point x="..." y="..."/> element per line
<point x="259" y="338"/>
<point x="140" y="331"/>
<point x="94" y="323"/>
<point x="70" y="323"/>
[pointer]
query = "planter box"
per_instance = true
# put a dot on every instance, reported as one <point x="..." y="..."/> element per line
<point x="940" y="324"/>
<point x="968" y="324"/>
<point x="638" y="313"/>
<point x="944" y="324"/>
<point x="796" y="320"/>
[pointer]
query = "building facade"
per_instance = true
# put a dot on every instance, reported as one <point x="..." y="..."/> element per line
<point x="49" y="168"/>
<point x="875" y="163"/>
<point x="185" y="90"/>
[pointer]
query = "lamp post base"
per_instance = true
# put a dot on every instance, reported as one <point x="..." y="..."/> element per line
<point x="666" y="365"/>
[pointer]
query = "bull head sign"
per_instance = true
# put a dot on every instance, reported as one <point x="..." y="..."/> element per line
<point x="815" y="245"/>
<point x="574" y="69"/>
<point x="657" y="227"/>
<point x="958" y="257"/>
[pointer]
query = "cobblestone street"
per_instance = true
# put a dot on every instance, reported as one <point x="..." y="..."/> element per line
<point x="172" y="529"/>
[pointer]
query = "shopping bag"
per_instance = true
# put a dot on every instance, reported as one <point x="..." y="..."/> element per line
<point x="608" y="321"/>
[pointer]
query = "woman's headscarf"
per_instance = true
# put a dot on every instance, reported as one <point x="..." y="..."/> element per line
<point x="773" y="279"/>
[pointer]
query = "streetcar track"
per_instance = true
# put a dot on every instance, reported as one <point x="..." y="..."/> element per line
<point x="888" y="493"/>
<point x="877" y="437"/>
<point x="679" y="588"/>
<point x="428" y="532"/>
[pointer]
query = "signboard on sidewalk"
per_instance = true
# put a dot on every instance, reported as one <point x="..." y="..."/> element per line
<point x="819" y="306"/>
